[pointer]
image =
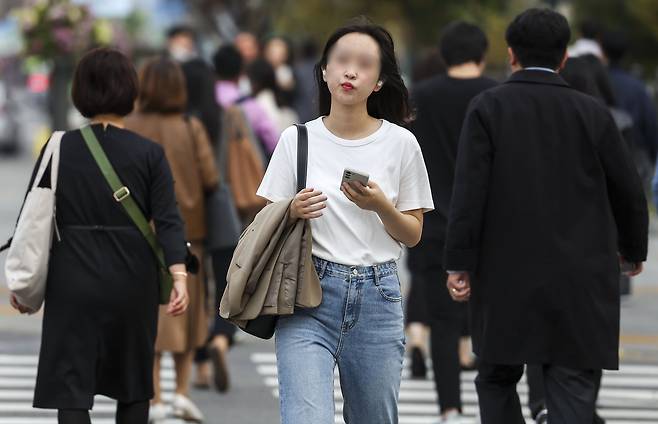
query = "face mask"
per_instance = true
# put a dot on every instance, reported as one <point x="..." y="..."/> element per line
<point x="181" y="54"/>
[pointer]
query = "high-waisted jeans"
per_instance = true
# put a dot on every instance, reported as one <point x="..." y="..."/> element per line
<point x="359" y="327"/>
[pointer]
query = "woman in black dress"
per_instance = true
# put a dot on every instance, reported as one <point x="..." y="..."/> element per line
<point x="101" y="303"/>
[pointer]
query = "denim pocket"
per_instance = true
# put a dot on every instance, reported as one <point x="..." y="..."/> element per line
<point x="389" y="287"/>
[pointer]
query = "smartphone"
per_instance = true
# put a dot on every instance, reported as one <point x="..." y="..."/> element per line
<point x="350" y="175"/>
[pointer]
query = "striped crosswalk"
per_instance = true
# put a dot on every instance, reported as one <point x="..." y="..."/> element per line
<point x="628" y="396"/>
<point x="17" y="378"/>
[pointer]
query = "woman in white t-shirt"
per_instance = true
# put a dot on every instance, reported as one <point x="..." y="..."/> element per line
<point x="358" y="233"/>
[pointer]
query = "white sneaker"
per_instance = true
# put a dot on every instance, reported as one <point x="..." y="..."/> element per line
<point x="455" y="418"/>
<point x="186" y="410"/>
<point x="157" y="413"/>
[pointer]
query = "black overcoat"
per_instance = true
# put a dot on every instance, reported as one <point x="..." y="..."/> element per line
<point x="545" y="197"/>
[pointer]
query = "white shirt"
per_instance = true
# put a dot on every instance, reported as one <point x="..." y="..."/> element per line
<point x="345" y="233"/>
<point x="281" y="117"/>
<point x="583" y="46"/>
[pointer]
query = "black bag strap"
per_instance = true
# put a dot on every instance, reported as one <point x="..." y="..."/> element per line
<point x="302" y="156"/>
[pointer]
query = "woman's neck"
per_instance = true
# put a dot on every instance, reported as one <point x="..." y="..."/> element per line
<point x="108" y="119"/>
<point x="350" y="122"/>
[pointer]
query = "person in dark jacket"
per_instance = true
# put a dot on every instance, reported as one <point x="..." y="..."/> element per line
<point x="633" y="97"/>
<point x="546" y="200"/>
<point x="101" y="304"/>
<point x="441" y="104"/>
<point x="199" y="80"/>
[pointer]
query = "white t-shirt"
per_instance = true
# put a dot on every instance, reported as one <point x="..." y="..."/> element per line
<point x="346" y="234"/>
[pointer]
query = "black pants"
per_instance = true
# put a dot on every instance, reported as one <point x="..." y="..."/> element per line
<point x="536" y="393"/>
<point x="127" y="413"/>
<point x="570" y="394"/>
<point x="446" y="318"/>
<point x="444" y="336"/>
<point x="221" y="260"/>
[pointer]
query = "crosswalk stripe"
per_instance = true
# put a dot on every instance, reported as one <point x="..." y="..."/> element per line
<point x="17" y="380"/>
<point x="634" y="369"/>
<point x="627" y="396"/>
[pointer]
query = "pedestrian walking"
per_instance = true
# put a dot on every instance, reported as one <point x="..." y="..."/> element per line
<point x="358" y="232"/>
<point x="229" y="66"/>
<point x="269" y="96"/>
<point x="101" y="303"/>
<point x="578" y="73"/>
<point x="161" y="116"/>
<point x="633" y="97"/>
<point x="546" y="201"/>
<point x="441" y="103"/>
<point x="199" y="80"/>
<point x="303" y="69"/>
<point x="278" y="52"/>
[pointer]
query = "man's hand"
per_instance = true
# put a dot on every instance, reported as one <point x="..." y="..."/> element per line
<point x="636" y="268"/>
<point x="369" y="198"/>
<point x="459" y="286"/>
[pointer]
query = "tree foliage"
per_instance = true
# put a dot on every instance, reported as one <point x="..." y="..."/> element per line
<point x="416" y="24"/>
<point x="637" y="18"/>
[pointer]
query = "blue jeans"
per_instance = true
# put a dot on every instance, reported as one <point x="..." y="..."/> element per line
<point x="359" y="326"/>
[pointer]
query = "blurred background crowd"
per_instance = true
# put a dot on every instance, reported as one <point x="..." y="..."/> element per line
<point x="40" y="41"/>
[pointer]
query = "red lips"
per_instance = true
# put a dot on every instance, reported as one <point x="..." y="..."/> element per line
<point x="347" y="86"/>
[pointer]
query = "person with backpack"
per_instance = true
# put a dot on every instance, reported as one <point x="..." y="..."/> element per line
<point x="361" y="211"/>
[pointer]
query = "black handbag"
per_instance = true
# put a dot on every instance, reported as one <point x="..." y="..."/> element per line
<point x="263" y="326"/>
<point x="223" y="225"/>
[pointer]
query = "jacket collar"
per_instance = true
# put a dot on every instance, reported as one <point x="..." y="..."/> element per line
<point x="537" y="77"/>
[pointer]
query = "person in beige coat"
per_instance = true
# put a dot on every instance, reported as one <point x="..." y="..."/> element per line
<point x="160" y="117"/>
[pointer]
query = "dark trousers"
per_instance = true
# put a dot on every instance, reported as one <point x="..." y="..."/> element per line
<point x="444" y="336"/>
<point x="570" y="394"/>
<point x="127" y="413"/>
<point x="220" y="260"/>
<point x="536" y="393"/>
<point x="431" y="304"/>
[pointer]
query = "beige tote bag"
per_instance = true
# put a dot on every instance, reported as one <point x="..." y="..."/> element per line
<point x="26" y="267"/>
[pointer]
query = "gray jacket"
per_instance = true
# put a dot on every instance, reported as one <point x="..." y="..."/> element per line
<point x="272" y="269"/>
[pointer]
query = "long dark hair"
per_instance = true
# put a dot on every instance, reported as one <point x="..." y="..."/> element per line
<point x="391" y="102"/>
<point x="262" y="77"/>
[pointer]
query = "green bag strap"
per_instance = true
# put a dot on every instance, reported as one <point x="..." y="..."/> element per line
<point x="121" y="194"/>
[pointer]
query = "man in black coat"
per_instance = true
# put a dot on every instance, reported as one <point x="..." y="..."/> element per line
<point x="545" y="203"/>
